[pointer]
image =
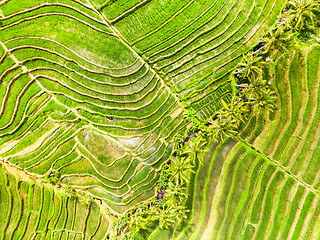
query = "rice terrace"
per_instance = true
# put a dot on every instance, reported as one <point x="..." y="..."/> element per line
<point x="160" y="119"/>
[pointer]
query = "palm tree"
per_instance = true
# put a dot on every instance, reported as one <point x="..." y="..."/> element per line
<point x="260" y="96"/>
<point x="137" y="222"/>
<point x="302" y="11"/>
<point x="221" y="127"/>
<point x="176" y="192"/>
<point x="194" y="150"/>
<point x="235" y="110"/>
<point x="169" y="214"/>
<point x="250" y="67"/>
<point x="259" y="82"/>
<point x="191" y="115"/>
<point x="253" y="89"/>
<point x="180" y="213"/>
<point x="265" y="101"/>
<point x="180" y="169"/>
<point x="120" y="228"/>
<point x="166" y="216"/>
<point x="277" y="40"/>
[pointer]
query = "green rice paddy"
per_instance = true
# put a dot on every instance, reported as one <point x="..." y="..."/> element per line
<point x="94" y="92"/>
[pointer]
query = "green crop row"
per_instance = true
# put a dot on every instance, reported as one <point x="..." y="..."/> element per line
<point x="92" y="90"/>
<point x="292" y="137"/>
<point x="242" y="194"/>
<point x="91" y="87"/>
<point x="33" y="211"/>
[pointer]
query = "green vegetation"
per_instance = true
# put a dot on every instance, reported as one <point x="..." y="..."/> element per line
<point x="302" y="14"/>
<point x="159" y="119"/>
<point x="33" y="210"/>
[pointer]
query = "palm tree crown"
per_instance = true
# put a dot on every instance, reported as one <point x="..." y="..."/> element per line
<point x="302" y="11"/>
<point x="236" y="110"/>
<point x="277" y="40"/>
<point x="250" y="66"/>
<point x="221" y="127"/>
<point x="166" y="216"/>
<point x="195" y="149"/>
<point x="265" y="101"/>
<point x="180" y="168"/>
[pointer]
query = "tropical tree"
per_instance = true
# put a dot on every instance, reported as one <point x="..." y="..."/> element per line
<point x="260" y="96"/>
<point x="195" y="149"/>
<point x="250" y="91"/>
<point x="250" y="67"/>
<point x="302" y="12"/>
<point x="259" y="82"/>
<point x="221" y="127"/>
<point x="166" y="216"/>
<point x="176" y="192"/>
<point x="121" y="229"/>
<point x="137" y="222"/>
<point x="235" y="110"/>
<point x="169" y="214"/>
<point x="191" y="115"/>
<point x="277" y="40"/>
<point x="180" y="168"/>
<point x="180" y="212"/>
<point x="265" y="101"/>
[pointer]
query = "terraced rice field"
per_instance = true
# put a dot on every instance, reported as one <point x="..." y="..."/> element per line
<point x="96" y="91"/>
<point x="256" y="187"/>
<point x="97" y="95"/>
<point x="100" y="115"/>
<point x="31" y="211"/>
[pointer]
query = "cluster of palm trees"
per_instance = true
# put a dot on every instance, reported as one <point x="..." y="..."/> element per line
<point x="301" y="16"/>
<point x="125" y="227"/>
<point x="254" y="96"/>
<point x="173" y="180"/>
<point x="254" y="92"/>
